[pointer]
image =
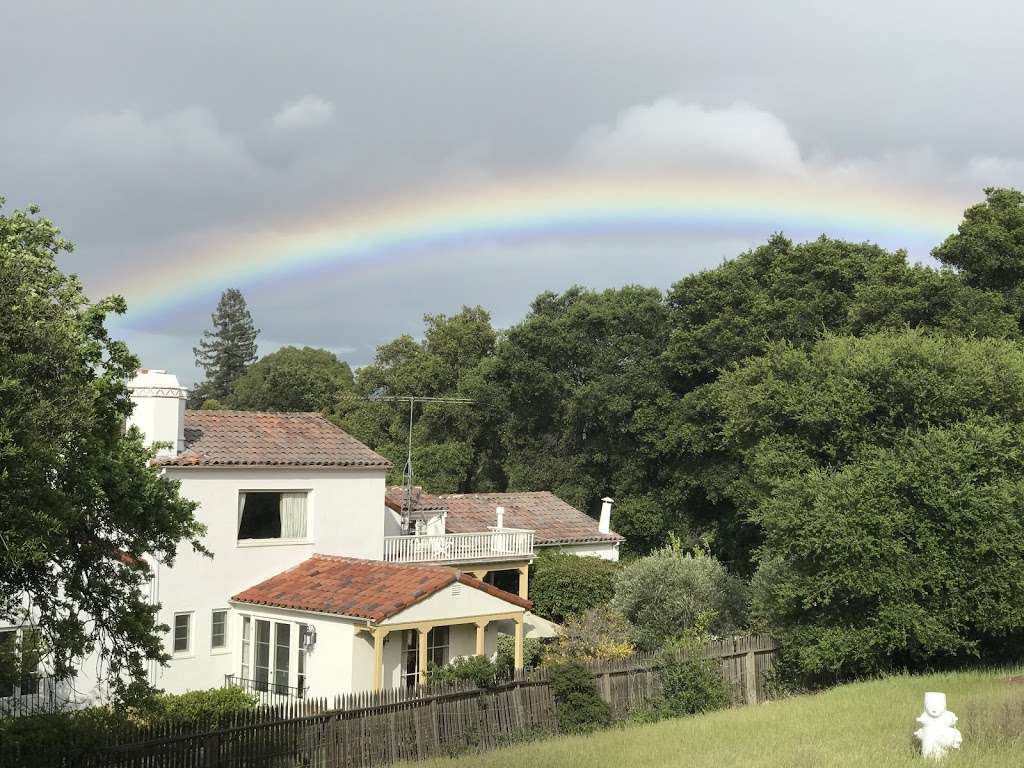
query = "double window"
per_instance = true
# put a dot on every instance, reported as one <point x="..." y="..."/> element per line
<point x="267" y="655"/>
<point x="272" y="515"/>
<point x="437" y="653"/>
<point x="19" y="662"/>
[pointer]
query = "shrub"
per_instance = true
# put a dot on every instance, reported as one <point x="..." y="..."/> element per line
<point x="562" y="585"/>
<point x="578" y="705"/>
<point x="479" y="670"/>
<point x="533" y="650"/>
<point x="690" y="684"/>
<point x="206" y="706"/>
<point x="664" y="594"/>
<point x="597" y="634"/>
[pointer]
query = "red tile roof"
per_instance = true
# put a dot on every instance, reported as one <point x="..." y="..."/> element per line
<point x="422" y="501"/>
<point x="252" y="438"/>
<point x="554" y="521"/>
<point x="365" y="589"/>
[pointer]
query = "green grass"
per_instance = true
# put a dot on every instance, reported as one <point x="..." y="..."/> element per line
<point x="868" y="724"/>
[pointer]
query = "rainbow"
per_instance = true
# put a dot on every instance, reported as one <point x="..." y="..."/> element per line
<point x="440" y="222"/>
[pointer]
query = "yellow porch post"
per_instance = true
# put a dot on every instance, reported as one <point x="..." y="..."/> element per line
<point x="378" y="657"/>
<point x="519" y="643"/>
<point x="524" y="582"/>
<point x="481" y="633"/>
<point x="423" y="631"/>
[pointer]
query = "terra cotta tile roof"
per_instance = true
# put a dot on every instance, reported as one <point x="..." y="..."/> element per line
<point x="253" y="438"/>
<point x="553" y="520"/>
<point x="422" y="501"/>
<point x="365" y="589"/>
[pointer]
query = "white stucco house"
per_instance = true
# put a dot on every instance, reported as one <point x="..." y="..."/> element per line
<point x="324" y="580"/>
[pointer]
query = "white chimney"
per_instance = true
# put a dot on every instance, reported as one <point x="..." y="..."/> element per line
<point x="604" y="525"/>
<point x="501" y="517"/>
<point x="159" y="409"/>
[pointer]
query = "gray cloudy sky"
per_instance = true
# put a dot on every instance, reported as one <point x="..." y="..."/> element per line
<point x="141" y="126"/>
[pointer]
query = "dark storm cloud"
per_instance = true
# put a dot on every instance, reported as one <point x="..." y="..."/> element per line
<point x="140" y="125"/>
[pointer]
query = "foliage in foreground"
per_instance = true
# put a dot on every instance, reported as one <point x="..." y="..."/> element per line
<point x="79" y="505"/>
<point x="597" y="634"/>
<point x="887" y="475"/>
<point x="533" y="652"/>
<point x="478" y="670"/>
<point x="578" y="705"/>
<point x="564" y="584"/>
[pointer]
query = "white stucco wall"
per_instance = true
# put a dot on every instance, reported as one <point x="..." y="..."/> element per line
<point x="606" y="551"/>
<point x="344" y="517"/>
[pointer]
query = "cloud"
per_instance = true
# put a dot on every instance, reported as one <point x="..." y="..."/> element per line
<point x="669" y="135"/>
<point x="308" y="112"/>
<point x="185" y="140"/>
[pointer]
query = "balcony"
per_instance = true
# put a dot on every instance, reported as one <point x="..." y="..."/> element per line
<point x="494" y="545"/>
<point x="266" y="691"/>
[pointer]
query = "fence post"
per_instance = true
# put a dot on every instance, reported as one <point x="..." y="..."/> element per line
<point x="211" y="752"/>
<point x="750" y="677"/>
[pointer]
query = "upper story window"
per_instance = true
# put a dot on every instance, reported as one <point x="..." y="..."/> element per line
<point x="272" y="515"/>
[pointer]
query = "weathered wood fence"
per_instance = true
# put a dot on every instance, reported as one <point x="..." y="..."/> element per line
<point x="377" y="729"/>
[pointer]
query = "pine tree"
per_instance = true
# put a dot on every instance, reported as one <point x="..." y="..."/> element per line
<point x="225" y="351"/>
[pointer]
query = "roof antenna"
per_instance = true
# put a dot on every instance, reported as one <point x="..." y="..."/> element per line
<point x="408" y="502"/>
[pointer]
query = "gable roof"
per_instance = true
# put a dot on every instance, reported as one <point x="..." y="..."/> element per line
<point x="365" y="589"/>
<point x="554" y="521"/>
<point x="253" y="438"/>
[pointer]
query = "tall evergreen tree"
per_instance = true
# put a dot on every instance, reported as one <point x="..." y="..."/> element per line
<point x="225" y="351"/>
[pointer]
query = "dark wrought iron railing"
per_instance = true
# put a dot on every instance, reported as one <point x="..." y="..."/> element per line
<point x="32" y="695"/>
<point x="267" y="691"/>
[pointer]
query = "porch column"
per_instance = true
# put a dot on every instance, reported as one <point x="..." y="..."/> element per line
<point x="519" y="643"/>
<point x="481" y="634"/>
<point x="524" y="582"/>
<point x="423" y="631"/>
<point x="378" y="657"/>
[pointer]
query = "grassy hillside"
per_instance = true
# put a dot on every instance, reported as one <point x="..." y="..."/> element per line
<point x="864" y="724"/>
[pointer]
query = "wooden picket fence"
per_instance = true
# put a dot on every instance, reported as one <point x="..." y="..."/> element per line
<point x="378" y="729"/>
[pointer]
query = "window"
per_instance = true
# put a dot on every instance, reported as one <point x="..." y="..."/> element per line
<point x="437" y="653"/>
<point x="300" y="681"/>
<point x="246" y="644"/>
<point x="19" y="672"/>
<point x="182" y="633"/>
<point x="262" y="661"/>
<point x="282" y="651"/>
<point x="271" y="515"/>
<point x="219" y="629"/>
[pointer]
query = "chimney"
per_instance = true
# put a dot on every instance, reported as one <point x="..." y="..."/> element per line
<point x="501" y="517"/>
<point x="159" y="410"/>
<point x="604" y="525"/>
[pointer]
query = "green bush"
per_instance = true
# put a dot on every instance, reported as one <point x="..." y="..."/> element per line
<point x="597" y="634"/>
<point x="479" y="670"/>
<point x="666" y="593"/>
<point x="207" y="706"/>
<point x="578" y="705"/>
<point x="691" y="684"/>
<point x="561" y="585"/>
<point x="533" y="650"/>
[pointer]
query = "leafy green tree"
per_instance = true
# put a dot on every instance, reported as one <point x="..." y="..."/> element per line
<point x="583" y="388"/>
<point x="224" y="352"/>
<point x="456" y="447"/>
<point x="885" y="473"/>
<point x="562" y="584"/>
<point x="79" y="504"/>
<point x="667" y="593"/>
<point x="293" y="379"/>
<point x="988" y="247"/>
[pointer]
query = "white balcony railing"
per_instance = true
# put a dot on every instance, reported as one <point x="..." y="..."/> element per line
<point x="495" y="544"/>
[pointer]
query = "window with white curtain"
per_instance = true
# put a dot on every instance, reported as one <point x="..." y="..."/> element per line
<point x="272" y="515"/>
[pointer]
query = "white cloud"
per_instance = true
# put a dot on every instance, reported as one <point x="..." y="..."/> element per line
<point x="189" y="139"/>
<point x="669" y="135"/>
<point x="309" y="111"/>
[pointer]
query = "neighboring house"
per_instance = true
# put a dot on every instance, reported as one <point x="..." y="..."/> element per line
<point x="320" y="582"/>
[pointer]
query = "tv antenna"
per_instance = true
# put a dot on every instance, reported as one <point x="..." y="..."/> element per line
<point x="407" y="474"/>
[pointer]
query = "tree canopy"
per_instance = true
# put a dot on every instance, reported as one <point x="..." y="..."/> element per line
<point x="293" y="379"/>
<point x="79" y="504"/>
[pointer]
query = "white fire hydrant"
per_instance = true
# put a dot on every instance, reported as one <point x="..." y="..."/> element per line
<point x="937" y="734"/>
